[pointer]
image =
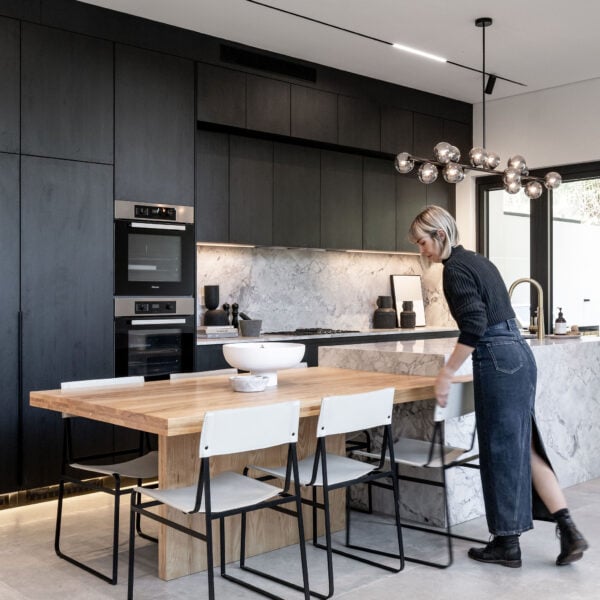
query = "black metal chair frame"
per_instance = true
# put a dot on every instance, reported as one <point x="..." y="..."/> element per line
<point x="68" y="475"/>
<point x="203" y="491"/>
<point x="320" y="460"/>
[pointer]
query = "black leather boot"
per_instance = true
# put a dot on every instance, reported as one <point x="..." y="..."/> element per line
<point x="502" y="550"/>
<point x="572" y="543"/>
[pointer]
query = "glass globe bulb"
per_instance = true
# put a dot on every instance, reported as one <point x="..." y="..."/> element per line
<point x="492" y="160"/>
<point x="453" y="173"/>
<point x="454" y="154"/>
<point x="533" y="189"/>
<point x="517" y="162"/>
<point x="404" y="163"/>
<point x="512" y="187"/>
<point x="552" y="180"/>
<point x="427" y="173"/>
<point x="441" y="152"/>
<point x="512" y="175"/>
<point x="477" y="156"/>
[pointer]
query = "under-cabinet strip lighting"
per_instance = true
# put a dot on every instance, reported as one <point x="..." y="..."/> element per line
<point x="419" y="52"/>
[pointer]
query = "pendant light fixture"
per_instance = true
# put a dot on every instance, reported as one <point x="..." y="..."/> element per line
<point x="446" y="156"/>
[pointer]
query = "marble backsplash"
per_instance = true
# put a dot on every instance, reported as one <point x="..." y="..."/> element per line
<point x="291" y="288"/>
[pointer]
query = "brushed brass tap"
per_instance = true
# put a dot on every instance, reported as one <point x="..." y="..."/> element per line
<point x="540" y="302"/>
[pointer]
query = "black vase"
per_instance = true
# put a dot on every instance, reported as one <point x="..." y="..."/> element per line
<point x="385" y="316"/>
<point x="408" y="317"/>
<point x="214" y="315"/>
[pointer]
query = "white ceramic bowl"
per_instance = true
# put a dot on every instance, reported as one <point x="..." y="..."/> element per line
<point x="249" y="383"/>
<point x="263" y="358"/>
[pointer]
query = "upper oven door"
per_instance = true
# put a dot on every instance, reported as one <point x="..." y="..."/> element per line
<point x="154" y="259"/>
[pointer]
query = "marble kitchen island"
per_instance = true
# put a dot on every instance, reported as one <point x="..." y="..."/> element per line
<point x="567" y="411"/>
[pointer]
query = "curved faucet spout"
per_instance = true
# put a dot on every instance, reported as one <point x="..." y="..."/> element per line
<point x="540" y="302"/>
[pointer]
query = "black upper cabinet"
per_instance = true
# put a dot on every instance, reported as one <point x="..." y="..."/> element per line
<point x="296" y="201"/>
<point x="67" y="95"/>
<point x="359" y="123"/>
<point x="9" y="90"/>
<point x="66" y="293"/>
<point x="341" y="200"/>
<point x="379" y="205"/>
<point x="459" y="134"/>
<point x="441" y="193"/>
<point x="9" y="320"/>
<point x="221" y="96"/>
<point x="267" y="105"/>
<point x="314" y="115"/>
<point x="427" y="132"/>
<point x="154" y="127"/>
<point x="212" y="187"/>
<point x="251" y="191"/>
<point x="411" y="198"/>
<point x="396" y="130"/>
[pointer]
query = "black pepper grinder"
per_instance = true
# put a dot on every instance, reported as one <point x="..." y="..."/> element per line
<point x="408" y="317"/>
<point x="234" y="314"/>
<point x="226" y="309"/>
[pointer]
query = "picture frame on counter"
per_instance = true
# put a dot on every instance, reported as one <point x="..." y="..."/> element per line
<point x="408" y="287"/>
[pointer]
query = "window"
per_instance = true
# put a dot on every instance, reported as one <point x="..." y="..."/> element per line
<point x="553" y="240"/>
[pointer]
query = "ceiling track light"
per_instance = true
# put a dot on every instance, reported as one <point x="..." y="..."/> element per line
<point x="516" y="175"/>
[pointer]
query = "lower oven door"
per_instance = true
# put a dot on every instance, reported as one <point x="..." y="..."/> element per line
<point x="154" y="346"/>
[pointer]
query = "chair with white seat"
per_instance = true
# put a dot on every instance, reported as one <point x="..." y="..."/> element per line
<point x="226" y="494"/>
<point x="437" y="455"/>
<point x="342" y="415"/>
<point x="142" y="466"/>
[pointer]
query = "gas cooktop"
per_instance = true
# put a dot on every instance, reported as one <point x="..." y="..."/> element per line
<point x="311" y="331"/>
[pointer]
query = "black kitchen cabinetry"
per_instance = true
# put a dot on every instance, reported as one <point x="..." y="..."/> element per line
<point x="212" y="187"/>
<point x="154" y="127"/>
<point x="359" y="123"/>
<point x="460" y="135"/>
<point x="221" y="96"/>
<point x="379" y="205"/>
<point x="411" y="198"/>
<point x="66" y="289"/>
<point x="267" y="105"/>
<point x="251" y="191"/>
<point x="67" y="95"/>
<point x="296" y="196"/>
<point x="314" y="115"/>
<point x="396" y="130"/>
<point x="9" y="321"/>
<point x="427" y="132"/>
<point x="341" y="200"/>
<point x="9" y="89"/>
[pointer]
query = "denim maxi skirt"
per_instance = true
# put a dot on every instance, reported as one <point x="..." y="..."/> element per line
<point x="504" y="376"/>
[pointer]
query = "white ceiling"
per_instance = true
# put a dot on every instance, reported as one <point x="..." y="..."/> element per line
<point x="542" y="43"/>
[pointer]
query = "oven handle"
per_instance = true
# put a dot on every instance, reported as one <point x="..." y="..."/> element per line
<point x="158" y="321"/>
<point x="157" y="226"/>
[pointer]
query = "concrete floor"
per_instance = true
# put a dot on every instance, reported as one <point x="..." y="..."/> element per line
<point x="30" y="570"/>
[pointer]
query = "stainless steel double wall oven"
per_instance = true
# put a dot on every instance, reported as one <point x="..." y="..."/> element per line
<point x="155" y="326"/>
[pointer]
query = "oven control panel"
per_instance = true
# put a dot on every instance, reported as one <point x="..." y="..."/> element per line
<point x="164" y="213"/>
<point x="153" y="308"/>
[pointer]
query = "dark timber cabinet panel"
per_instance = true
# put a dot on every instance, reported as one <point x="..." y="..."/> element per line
<point x="341" y="200"/>
<point x="9" y="321"/>
<point x="221" y="96"/>
<point x="154" y="127"/>
<point x="67" y="95"/>
<point x="251" y="191"/>
<point x="459" y="134"/>
<point x="314" y="115"/>
<point x="9" y="87"/>
<point x="411" y="197"/>
<point x="296" y="202"/>
<point x="396" y="130"/>
<point x="267" y="105"/>
<point x="66" y="293"/>
<point x="359" y="123"/>
<point x="379" y="205"/>
<point x="212" y="187"/>
<point x="427" y="132"/>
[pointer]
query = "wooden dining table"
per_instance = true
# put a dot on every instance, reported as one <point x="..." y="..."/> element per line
<point x="174" y="410"/>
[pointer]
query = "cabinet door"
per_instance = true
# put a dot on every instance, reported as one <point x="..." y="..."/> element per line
<point x="267" y="105"/>
<point x="221" y="96"/>
<point x="296" y="201"/>
<point x="154" y="127"/>
<point x="212" y="187"/>
<point x="396" y="130"/>
<point x="411" y="198"/>
<point x="427" y="132"/>
<point x="9" y="320"/>
<point x="251" y="191"/>
<point x="67" y="95"/>
<point x="441" y="193"/>
<point x="341" y="200"/>
<point x="379" y="205"/>
<point x="459" y="134"/>
<point x="314" y="115"/>
<point x="359" y="123"/>
<point x="66" y="287"/>
<point x="9" y="90"/>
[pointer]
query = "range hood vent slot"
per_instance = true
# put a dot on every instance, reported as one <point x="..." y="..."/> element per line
<point x="262" y="62"/>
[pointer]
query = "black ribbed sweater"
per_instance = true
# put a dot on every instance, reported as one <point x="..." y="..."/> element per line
<point x="476" y="294"/>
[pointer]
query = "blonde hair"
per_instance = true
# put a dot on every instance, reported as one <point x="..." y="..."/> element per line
<point x="429" y="222"/>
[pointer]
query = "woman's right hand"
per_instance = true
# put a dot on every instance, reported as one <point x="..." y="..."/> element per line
<point x="442" y="384"/>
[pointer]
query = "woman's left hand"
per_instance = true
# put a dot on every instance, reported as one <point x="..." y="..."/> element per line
<point x="442" y="385"/>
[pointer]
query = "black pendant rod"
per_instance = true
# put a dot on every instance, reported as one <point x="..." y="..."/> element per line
<point x="483" y="22"/>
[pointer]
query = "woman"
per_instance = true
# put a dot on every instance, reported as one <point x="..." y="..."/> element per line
<point x="512" y="456"/>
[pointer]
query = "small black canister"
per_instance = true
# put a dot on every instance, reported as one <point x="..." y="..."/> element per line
<point x="385" y="315"/>
<point x="408" y="317"/>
